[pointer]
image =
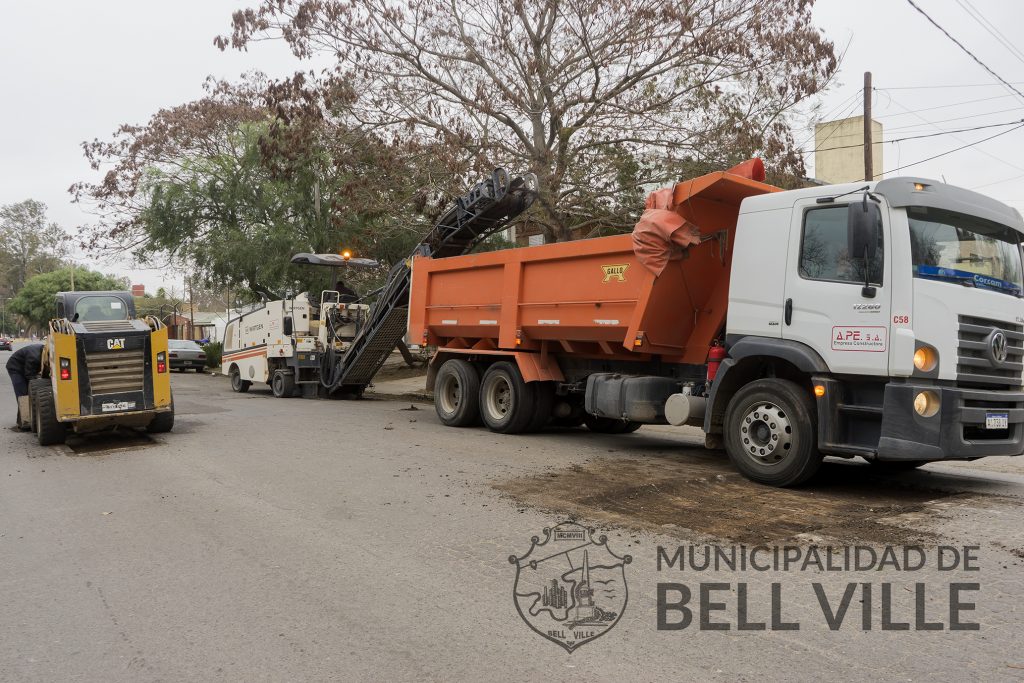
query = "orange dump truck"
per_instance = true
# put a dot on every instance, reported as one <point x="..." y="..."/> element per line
<point x="771" y="319"/>
<point x="601" y="331"/>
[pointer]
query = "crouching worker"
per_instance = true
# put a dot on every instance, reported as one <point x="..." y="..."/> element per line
<point x="24" y="365"/>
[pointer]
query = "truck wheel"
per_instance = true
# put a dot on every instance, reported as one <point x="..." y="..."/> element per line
<point x="49" y="430"/>
<point x="506" y="402"/>
<point x="609" y="425"/>
<point x="162" y="422"/>
<point x="237" y="383"/>
<point x="282" y="384"/>
<point x="543" y="404"/>
<point x="457" y="393"/>
<point x="771" y="433"/>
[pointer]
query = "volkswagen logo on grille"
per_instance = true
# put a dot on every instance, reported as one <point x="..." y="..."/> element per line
<point x="997" y="347"/>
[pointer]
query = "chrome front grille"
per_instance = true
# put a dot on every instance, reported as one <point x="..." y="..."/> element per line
<point x="113" y="372"/>
<point x="976" y="364"/>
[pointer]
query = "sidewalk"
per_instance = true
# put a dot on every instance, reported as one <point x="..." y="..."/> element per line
<point x="413" y="388"/>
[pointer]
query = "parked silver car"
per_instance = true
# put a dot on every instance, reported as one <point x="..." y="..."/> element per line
<point x="186" y="354"/>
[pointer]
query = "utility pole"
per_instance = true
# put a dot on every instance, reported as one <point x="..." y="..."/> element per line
<point x="191" y="309"/>
<point x="869" y="169"/>
<point x="72" y="276"/>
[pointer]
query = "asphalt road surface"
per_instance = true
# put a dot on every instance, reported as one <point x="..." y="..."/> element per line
<point x="269" y="539"/>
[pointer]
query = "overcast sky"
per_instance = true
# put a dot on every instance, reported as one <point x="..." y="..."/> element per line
<point x="74" y="71"/>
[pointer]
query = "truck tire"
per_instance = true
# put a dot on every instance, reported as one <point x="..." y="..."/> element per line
<point x="506" y="402"/>
<point x="771" y="433"/>
<point x="457" y="393"/>
<point x="282" y="384"/>
<point x="162" y="422"/>
<point x="543" y="404"/>
<point x="238" y="384"/>
<point x="609" y="425"/>
<point x="49" y="430"/>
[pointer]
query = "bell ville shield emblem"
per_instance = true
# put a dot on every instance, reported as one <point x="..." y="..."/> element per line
<point x="570" y="587"/>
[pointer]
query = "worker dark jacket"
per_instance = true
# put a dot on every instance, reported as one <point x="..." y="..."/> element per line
<point x="26" y="361"/>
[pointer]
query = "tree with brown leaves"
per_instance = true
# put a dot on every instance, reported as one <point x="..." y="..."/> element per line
<point x="599" y="98"/>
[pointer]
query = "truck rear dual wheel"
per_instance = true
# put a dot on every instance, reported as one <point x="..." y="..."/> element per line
<point x="771" y="433"/>
<point x="508" y="405"/>
<point x="49" y="430"/>
<point x="457" y="393"/>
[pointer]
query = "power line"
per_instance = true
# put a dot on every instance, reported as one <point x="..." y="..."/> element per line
<point x="941" y="106"/>
<point x="942" y="154"/>
<point x="926" y="135"/>
<point x="969" y="53"/>
<point x="991" y="28"/>
<point x="899" y="104"/>
<point x="997" y="182"/>
<point x="940" y="87"/>
<point x="955" y="118"/>
<point x="846" y="113"/>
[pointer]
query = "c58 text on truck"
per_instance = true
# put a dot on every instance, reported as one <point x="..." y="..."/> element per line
<point x="881" y="320"/>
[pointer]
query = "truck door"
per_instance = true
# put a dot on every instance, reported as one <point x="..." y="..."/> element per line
<point x="825" y="305"/>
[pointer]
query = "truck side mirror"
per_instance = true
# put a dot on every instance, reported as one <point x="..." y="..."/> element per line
<point x="863" y="223"/>
<point x="287" y="326"/>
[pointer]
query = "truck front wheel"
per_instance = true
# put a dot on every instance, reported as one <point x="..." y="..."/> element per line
<point x="457" y="393"/>
<point x="506" y="402"/>
<point x="771" y="433"/>
<point x="237" y="383"/>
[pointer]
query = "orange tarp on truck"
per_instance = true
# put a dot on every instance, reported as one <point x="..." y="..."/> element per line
<point x="661" y="291"/>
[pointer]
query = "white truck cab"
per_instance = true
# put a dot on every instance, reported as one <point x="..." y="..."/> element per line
<point x="898" y="301"/>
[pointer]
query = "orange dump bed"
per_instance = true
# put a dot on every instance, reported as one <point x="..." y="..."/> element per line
<point x="661" y="291"/>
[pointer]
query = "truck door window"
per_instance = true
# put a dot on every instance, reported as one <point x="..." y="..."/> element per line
<point x="824" y="250"/>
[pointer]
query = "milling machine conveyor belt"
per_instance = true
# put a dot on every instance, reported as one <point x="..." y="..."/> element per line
<point x="487" y="208"/>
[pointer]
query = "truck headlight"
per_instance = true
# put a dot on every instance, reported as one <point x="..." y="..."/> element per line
<point x="926" y="403"/>
<point x="925" y="359"/>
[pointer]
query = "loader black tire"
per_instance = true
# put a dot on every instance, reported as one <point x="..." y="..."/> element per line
<point x="33" y="387"/>
<point x="506" y="402"/>
<point x="238" y="384"/>
<point x="282" y="384"/>
<point x="162" y="422"/>
<point x="771" y="432"/>
<point x="49" y="430"/>
<point x="609" y="425"/>
<point x="457" y="393"/>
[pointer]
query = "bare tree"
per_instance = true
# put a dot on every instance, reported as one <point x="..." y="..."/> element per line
<point x="597" y="97"/>
<point x="30" y="244"/>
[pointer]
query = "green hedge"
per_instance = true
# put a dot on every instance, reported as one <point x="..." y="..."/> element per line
<point x="213" y="352"/>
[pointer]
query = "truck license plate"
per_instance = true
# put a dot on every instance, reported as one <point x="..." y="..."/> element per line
<point x="997" y="421"/>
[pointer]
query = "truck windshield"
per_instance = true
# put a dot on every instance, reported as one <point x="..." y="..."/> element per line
<point x="955" y="247"/>
<point x="100" y="307"/>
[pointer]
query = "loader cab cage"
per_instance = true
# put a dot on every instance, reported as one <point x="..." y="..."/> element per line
<point x="95" y="306"/>
<point x="489" y="206"/>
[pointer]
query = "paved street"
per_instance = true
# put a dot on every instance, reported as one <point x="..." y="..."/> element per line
<point x="268" y="539"/>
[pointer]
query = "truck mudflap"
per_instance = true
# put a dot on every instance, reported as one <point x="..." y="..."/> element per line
<point x="966" y="423"/>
